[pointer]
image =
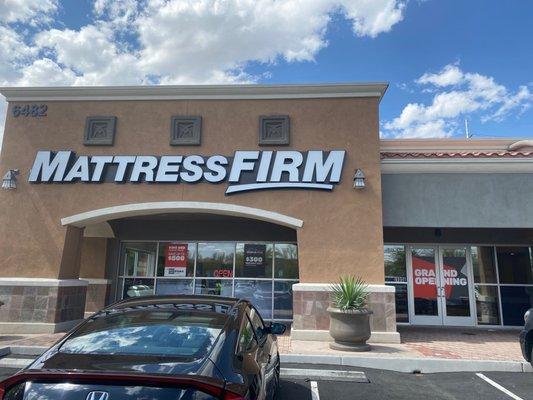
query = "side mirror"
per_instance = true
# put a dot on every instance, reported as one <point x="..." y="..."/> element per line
<point x="277" y="329"/>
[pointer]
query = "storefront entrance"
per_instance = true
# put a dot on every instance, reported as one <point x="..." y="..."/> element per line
<point x="442" y="289"/>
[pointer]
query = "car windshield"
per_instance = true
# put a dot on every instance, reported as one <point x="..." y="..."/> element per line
<point x="171" y="333"/>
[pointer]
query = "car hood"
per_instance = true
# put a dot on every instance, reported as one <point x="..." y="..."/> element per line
<point x="127" y="363"/>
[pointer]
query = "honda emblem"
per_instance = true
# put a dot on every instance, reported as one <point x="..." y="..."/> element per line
<point x="97" y="396"/>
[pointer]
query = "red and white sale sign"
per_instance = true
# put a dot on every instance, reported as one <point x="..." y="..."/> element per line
<point x="176" y="259"/>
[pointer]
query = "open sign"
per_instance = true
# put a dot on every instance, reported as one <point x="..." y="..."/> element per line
<point x="223" y="273"/>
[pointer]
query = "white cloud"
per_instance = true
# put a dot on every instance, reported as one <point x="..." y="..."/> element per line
<point x="372" y="17"/>
<point x="28" y="11"/>
<point x="450" y="75"/>
<point x="174" y="41"/>
<point x="457" y="94"/>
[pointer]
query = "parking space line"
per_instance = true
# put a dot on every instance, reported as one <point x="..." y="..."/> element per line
<point x="314" y="390"/>
<point x="499" y="387"/>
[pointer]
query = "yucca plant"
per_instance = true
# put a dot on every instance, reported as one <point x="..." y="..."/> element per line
<point x="350" y="293"/>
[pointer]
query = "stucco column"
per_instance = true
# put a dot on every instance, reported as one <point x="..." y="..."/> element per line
<point x="71" y="257"/>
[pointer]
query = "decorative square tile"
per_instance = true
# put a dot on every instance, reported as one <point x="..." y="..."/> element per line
<point x="185" y="130"/>
<point x="100" y="131"/>
<point x="274" y="130"/>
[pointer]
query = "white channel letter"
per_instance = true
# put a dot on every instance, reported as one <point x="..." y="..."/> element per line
<point x="80" y="170"/>
<point x="122" y="162"/>
<point x="194" y="171"/>
<point x="242" y="162"/>
<point x="295" y="159"/>
<point x="264" y="166"/>
<point x="45" y="168"/>
<point x="100" y="163"/>
<point x="217" y="172"/>
<point x="315" y="164"/>
<point x="168" y="170"/>
<point x="143" y="165"/>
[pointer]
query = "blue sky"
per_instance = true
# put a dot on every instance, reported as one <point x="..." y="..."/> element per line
<point x="446" y="60"/>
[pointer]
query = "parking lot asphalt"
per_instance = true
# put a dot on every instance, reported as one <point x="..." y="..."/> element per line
<point x="395" y="385"/>
<point x="316" y="382"/>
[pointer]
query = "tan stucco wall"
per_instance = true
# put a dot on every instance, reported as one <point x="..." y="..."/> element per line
<point x="93" y="258"/>
<point x="342" y="230"/>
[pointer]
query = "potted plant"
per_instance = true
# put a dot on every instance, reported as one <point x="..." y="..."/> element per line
<point x="349" y="317"/>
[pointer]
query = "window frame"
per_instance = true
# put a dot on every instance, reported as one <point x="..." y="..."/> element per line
<point x="121" y="277"/>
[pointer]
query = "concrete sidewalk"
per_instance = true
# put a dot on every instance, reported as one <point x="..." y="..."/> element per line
<point x="422" y="349"/>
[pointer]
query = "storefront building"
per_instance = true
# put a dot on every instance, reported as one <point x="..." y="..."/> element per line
<point x="457" y="221"/>
<point x="263" y="192"/>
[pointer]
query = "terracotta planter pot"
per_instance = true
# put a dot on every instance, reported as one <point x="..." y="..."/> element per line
<point x="350" y="329"/>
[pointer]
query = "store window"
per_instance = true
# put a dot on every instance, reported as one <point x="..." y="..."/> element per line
<point x="253" y="260"/>
<point x="515" y="271"/>
<point x="485" y="289"/>
<point x="396" y="275"/>
<point x="483" y="264"/>
<point x="137" y="269"/>
<point x="516" y="300"/>
<point x="262" y="273"/>
<point x="514" y="265"/>
<point x="215" y="260"/>
<point x="286" y="262"/>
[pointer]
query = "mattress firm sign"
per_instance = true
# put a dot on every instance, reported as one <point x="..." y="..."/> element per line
<point x="245" y="171"/>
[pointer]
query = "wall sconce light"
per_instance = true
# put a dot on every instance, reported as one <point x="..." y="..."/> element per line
<point x="359" y="179"/>
<point x="9" y="181"/>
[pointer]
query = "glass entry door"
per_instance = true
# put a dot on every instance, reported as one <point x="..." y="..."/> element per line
<point x="441" y="286"/>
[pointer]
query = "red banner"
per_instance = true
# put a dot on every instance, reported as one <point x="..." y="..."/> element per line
<point x="424" y="279"/>
<point x="176" y="259"/>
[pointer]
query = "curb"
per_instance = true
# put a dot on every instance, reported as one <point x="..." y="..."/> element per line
<point x="409" y="365"/>
<point x="17" y="363"/>
<point x="27" y="350"/>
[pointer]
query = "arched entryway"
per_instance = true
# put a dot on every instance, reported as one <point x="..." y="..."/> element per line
<point x="201" y="248"/>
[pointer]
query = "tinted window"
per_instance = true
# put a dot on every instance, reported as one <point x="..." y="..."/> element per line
<point x="246" y="339"/>
<point x="166" y="332"/>
<point x="395" y="270"/>
<point x="483" y="263"/>
<point x="215" y="260"/>
<point x="286" y="261"/>
<point x="257" y="323"/>
<point x="514" y="265"/>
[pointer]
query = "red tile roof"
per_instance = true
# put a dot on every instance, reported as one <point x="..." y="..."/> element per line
<point x="456" y="154"/>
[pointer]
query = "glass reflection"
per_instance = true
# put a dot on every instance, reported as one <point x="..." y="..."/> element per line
<point x="487" y="305"/>
<point x="174" y="286"/>
<point x="483" y="264"/>
<point x="395" y="270"/>
<point x="286" y="261"/>
<point x="138" y="259"/>
<point x="136" y="287"/>
<point x="258" y="292"/>
<point x="516" y="300"/>
<point x="218" y="287"/>
<point x="514" y="265"/>
<point x="283" y="300"/>
<point x="166" y="333"/>
<point x="215" y="260"/>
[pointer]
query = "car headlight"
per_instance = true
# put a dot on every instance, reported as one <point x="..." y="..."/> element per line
<point x="526" y="315"/>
